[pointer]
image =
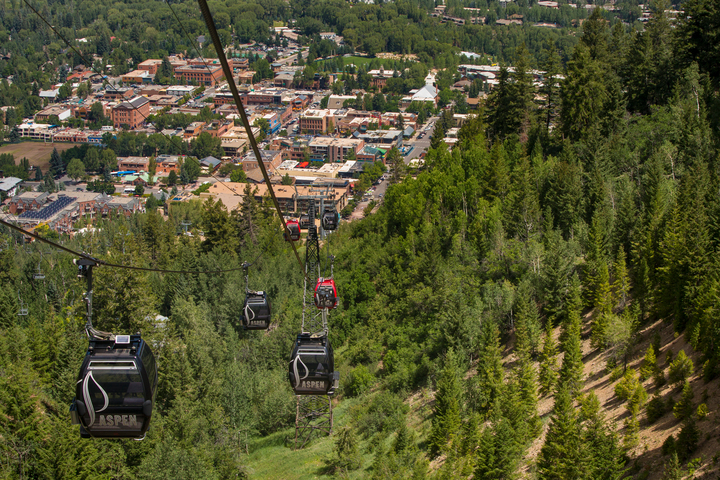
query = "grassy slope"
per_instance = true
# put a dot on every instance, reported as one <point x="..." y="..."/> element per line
<point x="271" y="459"/>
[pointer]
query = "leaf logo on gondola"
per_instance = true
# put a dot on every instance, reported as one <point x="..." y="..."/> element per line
<point x="297" y="374"/>
<point x="88" y="400"/>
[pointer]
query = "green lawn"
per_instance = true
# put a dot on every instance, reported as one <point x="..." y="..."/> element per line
<point x="270" y="459"/>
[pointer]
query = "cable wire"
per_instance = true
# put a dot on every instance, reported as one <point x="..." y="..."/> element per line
<point x="241" y="109"/>
<point x="115" y="265"/>
<point x="231" y="83"/>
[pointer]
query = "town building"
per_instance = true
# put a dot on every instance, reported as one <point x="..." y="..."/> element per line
<point x="333" y="149"/>
<point x="150" y="65"/>
<point x="133" y="163"/>
<point x="61" y="111"/>
<point x="316" y="121"/>
<point x="9" y="185"/>
<point x="27" y="201"/>
<point x="270" y="158"/>
<point x="137" y="77"/>
<point x="132" y="113"/>
<point x="199" y="74"/>
<point x="180" y="90"/>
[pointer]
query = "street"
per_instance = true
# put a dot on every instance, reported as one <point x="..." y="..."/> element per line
<point x="421" y="144"/>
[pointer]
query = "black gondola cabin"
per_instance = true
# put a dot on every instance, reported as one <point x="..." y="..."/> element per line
<point x="304" y="221"/>
<point x="256" y="312"/>
<point x="115" y="389"/>
<point x="293" y="226"/>
<point x="312" y="366"/>
<point x="325" y="293"/>
<point x="330" y="220"/>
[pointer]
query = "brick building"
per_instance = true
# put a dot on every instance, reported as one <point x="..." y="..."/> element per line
<point x="200" y="74"/>
<point x="132" y="113"/>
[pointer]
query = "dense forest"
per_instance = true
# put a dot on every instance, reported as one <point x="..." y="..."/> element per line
<point x="572" y="222"/>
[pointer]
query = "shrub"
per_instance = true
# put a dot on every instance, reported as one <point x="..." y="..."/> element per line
<point x="680" y="368"/>
<point x="687" y="440"/>
<point x="359" y="381"/>
<point x="650" y="365"/>
<point x="668" y="446"/>
<point x="702" y="411"/>
<point x="655" y="409"/>
<point x="346" y="454"/>
<point x="684" y="408"/>
<point x="630" y="388"/>
<point x="627" y="386"/>
<point x="616" y="373"/>
<point x="384" y="413"/>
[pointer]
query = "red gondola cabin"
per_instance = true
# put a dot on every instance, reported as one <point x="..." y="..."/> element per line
<point x="293" y="226"/>
<point x="326" y="293"/>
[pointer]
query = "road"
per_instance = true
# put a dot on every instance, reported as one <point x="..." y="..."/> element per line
<point x="421" y="144"/>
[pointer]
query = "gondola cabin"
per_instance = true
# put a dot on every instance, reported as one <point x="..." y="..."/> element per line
<point x="293" y="226"/>
<point x="312" y="366"/>
<point x="304" y="221"/>
<point x="326" y="293"/>
<point x="115" y="389"/>
<point x="330" y="220"/>
<point x="256" y="312"/>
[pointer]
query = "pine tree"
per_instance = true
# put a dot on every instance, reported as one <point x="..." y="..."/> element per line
<point x="550" y="87"/>
<point x="680" y="368"/>
<point x="684" y="408"/>
<point x="446" y="419"/>
<point x="56" y="163"/>
<point x="632" y="431"/>
<point x="687" y="440"/>
<point x="603" y="305"/>
<point x="650" y="365"/>
<point x="527" y="324"/>
<point x="487" y="384"/>
<point x="621" y="282"/>
<point x="526" y="379"/>
<point x="562" y="456"/>
<point x="672" y="469"/>
<point x="571" y="371"/>
<point x="548" y="375"/>
<point x="605" y="454"/>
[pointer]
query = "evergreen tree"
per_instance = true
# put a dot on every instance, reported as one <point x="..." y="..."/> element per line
<point x="672" y="469"/>
<point x="562" y="456"/>
<point x="621" y="283"/>
<point x="526" y="378"/>
<point x="550" y="87"/>
<point x="56" y="163"/>
<point x="680" y="368"/>
<point x="603" y="305"/>
<point x="527" y="324"/>
<point x="605" y="455"/>
<point x="548" y="375"/>
<point x="571" y="370"/>
<point x="650" y="365"/>
<point x="685" y="407"/>
<point x="446" y="419"/>
<point x="486" y="386"/>
<point x="687" y="441"/>
<point x="219" y="231"/>
<point x="584" y="94"/>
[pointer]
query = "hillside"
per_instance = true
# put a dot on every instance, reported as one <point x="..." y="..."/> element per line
<point x="274" y="457"/>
